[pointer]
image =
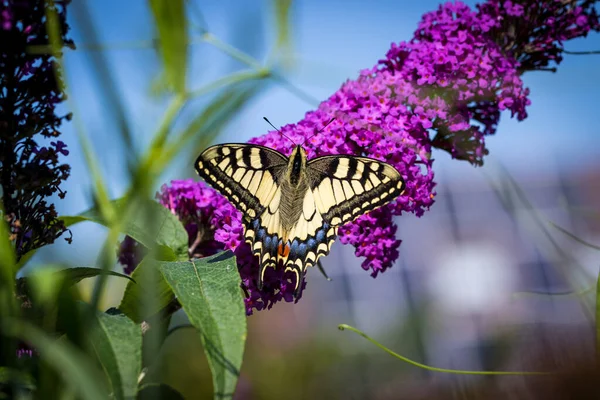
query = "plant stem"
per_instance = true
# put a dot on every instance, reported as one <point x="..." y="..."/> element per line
<point x="435" y="369"/>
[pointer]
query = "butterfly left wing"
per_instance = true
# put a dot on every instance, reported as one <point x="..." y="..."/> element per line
<point x="248" y="175"/>
<point x="341" y="189"/>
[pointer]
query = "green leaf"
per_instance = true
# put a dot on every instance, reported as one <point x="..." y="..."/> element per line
<point x="118" y="343"/>
<point x="209" y="292"/>
<point x="76" y="275"/>
<point x="172" y="32"/>
<point x="163" y="232"/>
<point x="76" y="369"/>
<point x="148" y="294"/>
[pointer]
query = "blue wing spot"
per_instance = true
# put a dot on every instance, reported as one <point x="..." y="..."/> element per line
<point x="320" y="236"/>
<point x="294" y="249"/>
<point x="302" y="250"/>
<point x="268" y="243"/>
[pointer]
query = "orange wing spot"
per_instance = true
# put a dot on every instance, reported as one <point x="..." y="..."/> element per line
<point x="283" y="249"/>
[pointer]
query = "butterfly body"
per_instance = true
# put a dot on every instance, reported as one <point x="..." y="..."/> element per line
<point x="292" y="207"/>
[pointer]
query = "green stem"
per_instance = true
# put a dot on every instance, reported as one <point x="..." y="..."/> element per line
<point x="231" y="51"/>
<point x="435" y="369"/>
<point x="230" y="79"/>
<point x="577" y="293"/>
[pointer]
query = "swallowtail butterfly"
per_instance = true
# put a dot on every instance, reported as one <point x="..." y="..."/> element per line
<point x="292" y="207"/>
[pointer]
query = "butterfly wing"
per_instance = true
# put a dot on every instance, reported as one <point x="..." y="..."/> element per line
<point x="248" y="175"/>
<point x="341" y="189"/>
<point x="346" y="187"/>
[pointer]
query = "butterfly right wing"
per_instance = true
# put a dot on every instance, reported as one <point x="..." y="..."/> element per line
<point x="248" y="175"/>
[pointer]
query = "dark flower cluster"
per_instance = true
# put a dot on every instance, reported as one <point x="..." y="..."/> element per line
<point x="445" y="89"/>
<point x="30" y="173"/>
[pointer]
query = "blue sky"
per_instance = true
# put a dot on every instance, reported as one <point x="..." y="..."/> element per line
<point x="332" y="41"/>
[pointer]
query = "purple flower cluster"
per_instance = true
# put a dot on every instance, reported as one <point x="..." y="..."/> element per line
<point x="213" y="225"/>
<point x="533" y="32"/>
<point x="30" y="92"/>
<point x="445" y="89"/>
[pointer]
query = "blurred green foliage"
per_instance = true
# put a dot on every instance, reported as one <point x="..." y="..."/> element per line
<point x="54" y="345"/>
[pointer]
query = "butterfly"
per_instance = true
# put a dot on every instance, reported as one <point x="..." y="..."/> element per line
<point x="292" y="207"/>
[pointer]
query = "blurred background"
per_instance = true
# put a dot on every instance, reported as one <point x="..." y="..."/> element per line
<point x="470" y="288"/>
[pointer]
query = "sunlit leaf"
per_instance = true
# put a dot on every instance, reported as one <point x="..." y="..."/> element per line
<point x="118" y="343"/>
<point x="171" y="22"/>
<point x="209" y="292"/>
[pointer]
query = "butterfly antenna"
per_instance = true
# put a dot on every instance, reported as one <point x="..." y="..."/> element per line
<point x="278" y="130"/>
<point x="319" y="131"/>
